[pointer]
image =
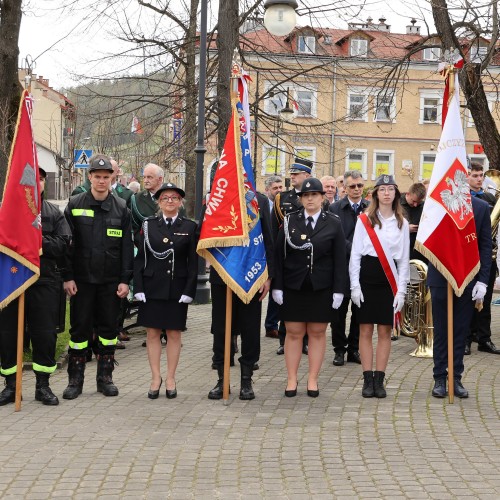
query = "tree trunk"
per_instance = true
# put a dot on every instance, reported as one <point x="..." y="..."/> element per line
<point x="227" y="40"/>
<point x="10" y="88"/>
<point x="471" y="85"/>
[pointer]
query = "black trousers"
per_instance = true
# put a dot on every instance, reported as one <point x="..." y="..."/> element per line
<point x="94" y="307"/>
<point x="463" y="308"/>
<point x="340" y="342"/>
<point x="41" y="319"/>
<point x="481" y="320"/>
<point x="246" y="320"/>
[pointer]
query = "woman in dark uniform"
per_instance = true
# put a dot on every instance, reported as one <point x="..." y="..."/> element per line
<point x="380" y="254"/>
<point x="165" y="271"/>
<point x="310" y="280"/>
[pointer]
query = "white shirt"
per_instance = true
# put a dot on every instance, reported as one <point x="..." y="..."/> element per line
<point x="396" y="240"/>
<point x="173" y="219"/>
<point x="314" y="216"/>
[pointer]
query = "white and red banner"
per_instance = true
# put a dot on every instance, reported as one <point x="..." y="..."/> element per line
<point x="447" y="230"/>
<point x="136" y="126"/>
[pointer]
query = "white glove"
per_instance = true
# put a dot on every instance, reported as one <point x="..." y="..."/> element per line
<point x="497" y="283"/>
<point x="479" y="291"/>
<point x="140" y="297"/>
<point x="357" y="296"/>
<point x="399" y="301"/>
<point x="185" y="299"/>
<point x="278" y="296"/>
<point x="337" y="300"/>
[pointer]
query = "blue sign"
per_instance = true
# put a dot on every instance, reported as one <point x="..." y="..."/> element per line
<point x="82" y="157"/>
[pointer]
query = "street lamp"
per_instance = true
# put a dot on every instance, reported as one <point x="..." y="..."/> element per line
<point x="202" y="290"/>
<point x="280" y="16"/>
<point x="285" y="114"/>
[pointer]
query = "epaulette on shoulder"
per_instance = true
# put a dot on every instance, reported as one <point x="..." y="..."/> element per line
<point x="150" y="217"/>
<point x="331" y="214"/>
<point x="185" y="219"/>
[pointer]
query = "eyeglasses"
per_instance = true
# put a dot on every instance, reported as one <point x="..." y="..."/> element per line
<point x="387" y="189"/>
<point x="170" y="198"/>
<point x="354" y="186"/>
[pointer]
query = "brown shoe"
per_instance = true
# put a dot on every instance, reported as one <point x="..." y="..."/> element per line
<point x="123" y="337"/>
<point x="272" y="334"/>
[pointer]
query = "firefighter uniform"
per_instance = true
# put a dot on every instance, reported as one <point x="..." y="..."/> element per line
<point x="42" y="303"/>
<point x="101" y="257"/>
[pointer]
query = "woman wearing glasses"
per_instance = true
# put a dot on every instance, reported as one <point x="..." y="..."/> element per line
<point x="165" y="271"/>
<point x="379" y="270"/>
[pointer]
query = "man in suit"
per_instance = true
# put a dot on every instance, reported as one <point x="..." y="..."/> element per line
<point x="273" y="185"/>
<point x="143" y="204"/>
<point x="348" y="209"/>
<point x="463" y="307"/>
<point x="413" y="203"/>
<point x="285" y="203"/>
<point x="330" y="187"/>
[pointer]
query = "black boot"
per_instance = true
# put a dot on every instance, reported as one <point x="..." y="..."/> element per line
<point x="76" y="374"/>
<point x="378" y="382"/>
<point x="216" y="392"/>
<point x="368" y="389"/>
<point x="104" y="378"/>
<point x="8" y="395"/>
<point x="43" y="392"/>
<point x="246" y="391"/>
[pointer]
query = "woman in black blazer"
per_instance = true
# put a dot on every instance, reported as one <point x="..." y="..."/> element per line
<point x="310" y="280"/>
<point x="165" y="271"/>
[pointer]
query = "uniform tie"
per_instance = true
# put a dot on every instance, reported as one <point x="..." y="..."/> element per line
<point x="169" y="222"/>
<point x="309" y="225"/>
<point x="355" y="207"/>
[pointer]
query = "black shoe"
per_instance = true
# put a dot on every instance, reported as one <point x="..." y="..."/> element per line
<point x="467" y="351"/>
<point x="313" y="393"/>
<point x="488" y="347"/>
<point x="368" y="390"/>
<point x="353" y="357"/>
<point x="171" y="393"/>
<point x="378" y="384"/>
<point x="256" y="366"/>
<point x="281" y="350"/>
<point x="439" y="390"/>
<point x="305" y="349"/>
<point x="154" y="394"/>
<point x="46" y="396"/>
<point x="246" y="389"/>
<point x="120" y="345"/>
<point x="338" y="360"/>
<point x="460" y="391"/>
<point x="217" y="391"/>
<point x="144" y="344"/>
<point x="291" y="393"/>
<point x="8" y="395"/>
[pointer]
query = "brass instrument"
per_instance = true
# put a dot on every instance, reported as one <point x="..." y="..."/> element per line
<point x="416" y="315"/>
<point x="494" y="175"/>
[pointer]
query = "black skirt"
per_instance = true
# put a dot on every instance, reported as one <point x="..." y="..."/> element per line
<point x="377" y="293"/>
<point x="162" y="314"/>
<point x="306" y="305"/>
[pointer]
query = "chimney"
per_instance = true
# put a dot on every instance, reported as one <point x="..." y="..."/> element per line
<point x="411" y="29"/>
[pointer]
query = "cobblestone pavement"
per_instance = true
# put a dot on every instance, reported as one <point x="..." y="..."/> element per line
<point x="339" y="445"/>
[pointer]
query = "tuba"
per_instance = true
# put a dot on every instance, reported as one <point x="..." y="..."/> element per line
<point x="416" y="316"/>
<point x="494" y="175"/>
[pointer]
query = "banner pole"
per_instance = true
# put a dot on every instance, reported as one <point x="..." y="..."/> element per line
<point x="20" y="351"/>
<point x="451" y="386"/>
<point x="227" y="344"/>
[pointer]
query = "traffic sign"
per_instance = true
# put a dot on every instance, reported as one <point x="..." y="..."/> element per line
<point x="82" y="157"/>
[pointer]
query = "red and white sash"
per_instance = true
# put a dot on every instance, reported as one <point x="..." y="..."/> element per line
<point x="385" y="258"/>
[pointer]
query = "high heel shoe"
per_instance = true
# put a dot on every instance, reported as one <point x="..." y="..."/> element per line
<point x="291" y="393"/>
<point x="154" y="394"/>
<point x="312" y="393"/>
<point x="171" y="393"/>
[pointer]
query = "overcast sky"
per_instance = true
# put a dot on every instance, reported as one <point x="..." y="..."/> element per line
<point x="63" y="44"/>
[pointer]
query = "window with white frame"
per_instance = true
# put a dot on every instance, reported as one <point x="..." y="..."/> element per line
<point x="430" y="106"/>
<point x="432" y="53"/>
<point x="306" y="44"/>
<point x="383" y="163"/>
<point x="478" y="53"/>
<point x="492" y="99"/>
<point x="305" y="102"/>
<point x="427" y="159"/>
<point x="481" y="159"/>
<point x="272" y="163"/>
<point x="356" y="159"/>
<point x="275" y="100"/>
<point x="384" y="110"/>
<point x="359" y="47"/>
<point x="358" y="106"/>
<point x="306" y="153"/>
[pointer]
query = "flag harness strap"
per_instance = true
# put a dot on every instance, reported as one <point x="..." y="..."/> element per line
<point x="157" y="255"/>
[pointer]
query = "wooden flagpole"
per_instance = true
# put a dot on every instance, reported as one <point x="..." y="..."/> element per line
<point x="20" y="351"/>
<point x="451" y="379"/>
<point x="227" y="345"/>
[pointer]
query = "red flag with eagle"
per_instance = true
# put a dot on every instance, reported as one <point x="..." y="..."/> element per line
<point x="20" y="219"/>
<point x="446" y="234"/>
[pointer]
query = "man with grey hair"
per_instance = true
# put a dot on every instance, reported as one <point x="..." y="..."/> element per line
<point x="144" y="204"/>
<point x="348" y="209"/>
<point x="330" y="188"/>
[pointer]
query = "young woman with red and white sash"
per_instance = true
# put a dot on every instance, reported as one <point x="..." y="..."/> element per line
<point x="379" y="269"/>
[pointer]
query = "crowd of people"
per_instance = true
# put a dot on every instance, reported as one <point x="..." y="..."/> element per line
<point x="331" y="244"/>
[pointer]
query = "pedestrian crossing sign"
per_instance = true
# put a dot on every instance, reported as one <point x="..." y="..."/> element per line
<point x="82" y="157"/>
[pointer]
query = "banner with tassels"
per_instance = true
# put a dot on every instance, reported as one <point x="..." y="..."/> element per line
<point x="231" y="233"/>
